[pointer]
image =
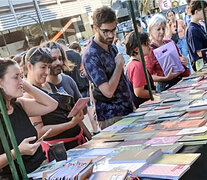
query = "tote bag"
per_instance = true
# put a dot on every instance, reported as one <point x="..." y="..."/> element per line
<point x="168" y="57"/>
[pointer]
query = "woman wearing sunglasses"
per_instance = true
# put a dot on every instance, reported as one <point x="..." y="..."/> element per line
<point x="37" y="63"/>
<point x="18" y="109"/>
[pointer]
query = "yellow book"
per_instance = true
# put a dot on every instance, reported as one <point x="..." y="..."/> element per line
<point x="185" y="159"/>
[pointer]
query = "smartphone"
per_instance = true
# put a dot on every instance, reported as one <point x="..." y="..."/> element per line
<point x="79" y="105"/>
<point x="44" y="135"/>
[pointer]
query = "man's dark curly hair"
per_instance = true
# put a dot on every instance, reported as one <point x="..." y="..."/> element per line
<point x="103" y="15"/>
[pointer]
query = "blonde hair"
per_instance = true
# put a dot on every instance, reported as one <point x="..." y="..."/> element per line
<point x="156" y="20"/>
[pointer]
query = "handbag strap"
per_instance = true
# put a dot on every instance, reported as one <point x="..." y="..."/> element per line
<point x="176" y="26"/>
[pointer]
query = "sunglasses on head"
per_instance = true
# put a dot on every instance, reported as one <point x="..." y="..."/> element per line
<point x="41" y="51"/>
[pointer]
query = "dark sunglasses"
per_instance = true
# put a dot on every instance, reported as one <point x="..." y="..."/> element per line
<point x="41" y="51"/>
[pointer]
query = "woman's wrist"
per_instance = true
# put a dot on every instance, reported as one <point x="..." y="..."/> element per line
<point x="13" y="154"/>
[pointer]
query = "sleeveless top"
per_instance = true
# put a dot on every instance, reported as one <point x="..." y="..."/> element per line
<point x="22" y="128"/>
<point x="59" y="115"/>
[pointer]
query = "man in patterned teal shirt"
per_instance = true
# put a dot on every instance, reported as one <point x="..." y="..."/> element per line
<point x="104" y="68"/>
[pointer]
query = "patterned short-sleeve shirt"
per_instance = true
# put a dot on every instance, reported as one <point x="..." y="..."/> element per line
<point x="99" y="65"/>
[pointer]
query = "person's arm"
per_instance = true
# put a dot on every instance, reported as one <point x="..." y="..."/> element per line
<point x="40" y="104"/>
<point x="141" y="92"/>
<point x="169" y="77"/>
<point x="108" y="88"/>
<point x="57" y="128"/>
<point x="25" y="148"/>
<point x="199" y="53"/>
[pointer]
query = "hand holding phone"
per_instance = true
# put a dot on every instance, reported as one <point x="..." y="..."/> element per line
<point x="79" y="105"/>
<point x="44" y="135"/>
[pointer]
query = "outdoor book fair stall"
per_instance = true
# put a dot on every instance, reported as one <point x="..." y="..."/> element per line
<point x="165" y="138"/>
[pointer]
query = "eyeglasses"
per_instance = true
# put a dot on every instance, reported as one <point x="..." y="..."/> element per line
<point x="107" y="32"/>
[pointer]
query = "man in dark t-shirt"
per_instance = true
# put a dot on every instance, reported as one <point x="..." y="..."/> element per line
<point x="77" y="74"/>
<point x="104" y="68"/>
<point x="195" y="36"/>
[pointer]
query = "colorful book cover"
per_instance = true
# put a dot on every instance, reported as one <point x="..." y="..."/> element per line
<point x="194" y="130"/>
<point x="198" y="137"/>
<point x="136" y="156"/>
<point x="169" y="124"/>
<point x="109" y="175"/>
<point x="186" y="159"/>
<point x="163" y="133"/>
<point x="114" y="128"/>
<point x="161" y="171"/>
<point x="168" y="149"/>
<point x="126" y="121"/>
<point x="163" y="140"/>
<point x="135" y="142"/>
<point x="195" y="115"/>
<point x="191" y="123"/>
<point x="139" y="136"/>
<point x="103" y="134"/>
<point x="120" y="167"/>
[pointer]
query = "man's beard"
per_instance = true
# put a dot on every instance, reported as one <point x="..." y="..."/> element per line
<point x="55" y="70"/>
<point x="107" y="41"/>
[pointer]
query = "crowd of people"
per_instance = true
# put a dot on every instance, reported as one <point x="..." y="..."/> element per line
<point x="42" y="85"/>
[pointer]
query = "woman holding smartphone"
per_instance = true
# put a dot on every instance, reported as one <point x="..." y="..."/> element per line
<point x="18" y="109"/>
<point x="64" y="129"/>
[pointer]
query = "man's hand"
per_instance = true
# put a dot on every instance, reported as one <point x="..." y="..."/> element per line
<point x="119" y="60"/>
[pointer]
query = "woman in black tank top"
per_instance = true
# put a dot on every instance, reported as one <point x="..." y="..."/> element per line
<point x="12" y="87"/>
<point x="37" y="65"/>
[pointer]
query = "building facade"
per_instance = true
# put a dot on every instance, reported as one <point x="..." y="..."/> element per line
<point x="20" y="25"/>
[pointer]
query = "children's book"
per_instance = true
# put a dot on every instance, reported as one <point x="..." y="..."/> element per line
<point x="169" y="124"/>
<point x="126" y="121"/>
<point x="194" y="115"/>
<point x="194" y="130"/>
<point x="163" y="133"/>
<point x="171" y="115"/>
<point x="169" y="101"/>
<point x="139" y="136"/>
<point x="194" y="143"/>
<point x="163" y="171"/>
<point x="186" y="159"/>
<point x="120" y="167"/>
<point x="99" y="151"/>
<point x="197" y="105"/>
<point x="129" y="147"/>
<point x="114" y="128"/>
<point x="73" y="170"/>
<point x="136" y="156"/>
<point x="163" y="140"/>
<point x="104" y="134"/>
<point x="135" y="142"/>
<point x="191" y="123"/>
<point x="109" y="175"/>
<point x="38" y="173"/>
<point x="168" y="149"/>
<point x="197" y="137"/>
<point x="163" y="107"/>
